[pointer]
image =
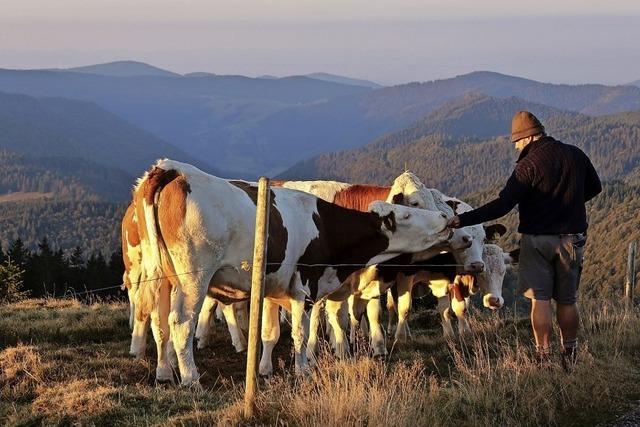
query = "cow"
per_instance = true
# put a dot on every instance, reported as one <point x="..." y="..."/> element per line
<point x="367" y="285"/>
<point x="139" y="321"/>
<point x="452" y="290"/>
<point x="197" y="230"/>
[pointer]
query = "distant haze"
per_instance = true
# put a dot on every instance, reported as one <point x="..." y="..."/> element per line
<point x="569" y="41"/>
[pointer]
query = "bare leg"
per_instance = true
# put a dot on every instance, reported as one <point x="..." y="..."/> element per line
<point x="569" y="321"/>
<point x="270" y="335"/>
<point x="541" y="323"/>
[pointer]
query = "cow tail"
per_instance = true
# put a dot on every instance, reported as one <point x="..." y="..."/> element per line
<point x="156" y="260"/>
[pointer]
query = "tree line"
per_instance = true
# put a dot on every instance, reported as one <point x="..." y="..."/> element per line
<point x="50" y="272"/>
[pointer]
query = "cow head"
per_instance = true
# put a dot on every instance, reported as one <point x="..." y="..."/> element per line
<point x="490" y="280"/>
<point x="408" y="190"/>
<point x="411" y="230"/>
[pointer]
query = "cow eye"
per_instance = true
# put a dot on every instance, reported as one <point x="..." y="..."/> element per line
<point x="407" y="215"/>
<point x="415" y="204"/>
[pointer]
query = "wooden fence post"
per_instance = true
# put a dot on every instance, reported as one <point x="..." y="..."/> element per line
<point x="257" y="295"/>
<point x="630" y="282"/>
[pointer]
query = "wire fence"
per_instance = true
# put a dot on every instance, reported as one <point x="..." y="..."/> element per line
<point x="247" y="267"/>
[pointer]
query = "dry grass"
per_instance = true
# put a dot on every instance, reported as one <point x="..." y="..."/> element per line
<point x="64" y="363"/>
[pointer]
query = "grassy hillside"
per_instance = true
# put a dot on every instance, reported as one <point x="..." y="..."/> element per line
<point x="71" y="366"/>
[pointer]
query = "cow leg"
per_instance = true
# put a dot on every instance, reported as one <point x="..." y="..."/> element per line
<point x="314" y="325"/>
<point x="404" y="285"/>
<point x="242" y="316"/>
<point x="356" y="310"/>
<point x="270" y="334"/>
<point x="299" y="328"/>
<point x="237" y="337"/>
<point x="161" y="334"/>
<point x="444" y="305"/>
<point x="185" y="307"/>
<point x="219" y="315"/>
<point x="132" y="311"/>
<point x="335" y="310"/>
<point x="377" y="335"/>
<point x="391" y="310"/>
<point x="205" y="320"/>
<point x="463" y="322"/>
<point x="139" y="337"/>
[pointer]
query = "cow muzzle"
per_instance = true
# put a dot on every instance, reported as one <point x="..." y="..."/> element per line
<point x="474" y="267"/>
<point x="492" y="302"/>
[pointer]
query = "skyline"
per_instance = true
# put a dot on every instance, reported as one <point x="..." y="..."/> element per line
<point x="410" y="41"/>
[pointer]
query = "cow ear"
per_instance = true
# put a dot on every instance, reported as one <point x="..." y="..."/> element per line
<point x="513" y="256"/>
<point x="397" y="199"/>
<point x="389" y="221"/>
<point x="494" y="231"/>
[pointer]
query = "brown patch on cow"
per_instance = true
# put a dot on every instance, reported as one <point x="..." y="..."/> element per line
<point x="359" y="197"/>
<point x="278" y="234"/>
<point x="172" y="208"/>
<point x="345" y="236"/>
<point x="464" y="284"/>
<point x="130" y="238"/>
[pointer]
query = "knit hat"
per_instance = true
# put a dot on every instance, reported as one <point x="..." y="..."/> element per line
<point x="525" y="124"/>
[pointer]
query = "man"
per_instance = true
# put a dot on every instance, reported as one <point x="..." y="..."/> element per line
<point x="550" y="184"/>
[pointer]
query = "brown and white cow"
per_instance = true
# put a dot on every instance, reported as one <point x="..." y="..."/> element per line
<point x="198" y="230"/>
<point x="139" y="320"/>
<point x="132" y="259"/>
<point x="452" y="290"/>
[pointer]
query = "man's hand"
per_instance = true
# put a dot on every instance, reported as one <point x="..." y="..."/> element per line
<point x="454" y="222"/>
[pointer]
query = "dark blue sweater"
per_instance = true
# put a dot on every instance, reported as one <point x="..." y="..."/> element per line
<point x="550" y="184"/>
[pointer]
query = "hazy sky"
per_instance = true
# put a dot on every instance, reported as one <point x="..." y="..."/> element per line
<point x="388" y="41"/>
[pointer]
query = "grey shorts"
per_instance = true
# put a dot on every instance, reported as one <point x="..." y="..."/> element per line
<point x="550" y="266"/>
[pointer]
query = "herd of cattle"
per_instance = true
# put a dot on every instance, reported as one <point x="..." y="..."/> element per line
<point x="187" y="240"/>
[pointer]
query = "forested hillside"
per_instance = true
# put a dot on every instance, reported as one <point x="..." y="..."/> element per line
<point x="62" y="177"/>
<point x="64" y="128"/>
<point x="90" y="224"/>
<point x="464" y="165"/>
<point x="263" y="126"/>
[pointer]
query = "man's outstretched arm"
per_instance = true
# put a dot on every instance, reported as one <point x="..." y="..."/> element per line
<point x="515" y="189"/>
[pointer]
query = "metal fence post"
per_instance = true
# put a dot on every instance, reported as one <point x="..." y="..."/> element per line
<point x="630" y="282"/>
<point x="257" y="295"/>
